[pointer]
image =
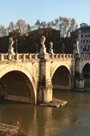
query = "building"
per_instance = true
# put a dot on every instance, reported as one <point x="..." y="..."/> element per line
<point x="82" y="35"/>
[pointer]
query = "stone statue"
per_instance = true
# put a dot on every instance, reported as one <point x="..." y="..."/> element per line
<point x="43" y="48"/>
<point x="11" y="48"/>
<point x="43" y="39"/>
<point x="76" y="48"/>
<point x="51" y="48"/>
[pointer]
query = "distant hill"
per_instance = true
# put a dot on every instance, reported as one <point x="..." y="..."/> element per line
<point x="30" y="43"/>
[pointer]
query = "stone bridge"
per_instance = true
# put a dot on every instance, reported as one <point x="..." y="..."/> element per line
<point x="32" y="78"/>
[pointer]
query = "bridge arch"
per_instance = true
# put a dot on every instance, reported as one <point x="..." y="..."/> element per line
<point x="86" y="70"/>
<point x="20" y="71"/>
<point x="56" y="66"/>
<point x="61" y="77"/>
<point x="86" y="75"/>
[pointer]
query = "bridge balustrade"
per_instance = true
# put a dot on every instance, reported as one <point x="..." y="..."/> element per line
<point x="61" y="56"/>
<point x="21" y="57"/>
<point x="28" y="57"/>
<point x="85" y="56"/>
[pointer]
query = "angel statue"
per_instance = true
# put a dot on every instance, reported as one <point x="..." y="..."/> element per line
<point x="76" y="48"/>
<point x="11" y="48"/>
<point x="43" y="48"/>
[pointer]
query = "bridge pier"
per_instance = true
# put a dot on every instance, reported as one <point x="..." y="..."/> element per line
<point x="44" y="80"/>
<point x="79" y="80"/>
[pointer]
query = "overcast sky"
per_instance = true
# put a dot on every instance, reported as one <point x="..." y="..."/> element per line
<point x="45" y="10"/>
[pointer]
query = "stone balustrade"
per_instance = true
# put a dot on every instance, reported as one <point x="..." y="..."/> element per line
<point x="82" y="56"/>
<point x="85" y="56"/>
<point x="18" y="57"/>
<point x="61" y="56"/>
<point x="29" y="57"/>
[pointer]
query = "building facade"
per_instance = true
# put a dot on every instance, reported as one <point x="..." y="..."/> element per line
<point x="82" y="35"/>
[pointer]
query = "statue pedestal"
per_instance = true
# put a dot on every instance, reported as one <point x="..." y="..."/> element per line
<point x="11" y="51"/>
<point x="51" y="48"/>
<point x="44" y="83"/>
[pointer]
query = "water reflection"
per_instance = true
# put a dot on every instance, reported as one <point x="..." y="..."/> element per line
<point x="10" y="113"/>
<point x="71" y="120"/>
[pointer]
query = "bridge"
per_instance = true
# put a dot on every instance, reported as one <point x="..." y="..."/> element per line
<point x="31" y="77"/>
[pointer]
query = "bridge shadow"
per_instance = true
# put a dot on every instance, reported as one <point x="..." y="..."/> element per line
<point x="61" y="79"/>
<point x="86" y="75"/>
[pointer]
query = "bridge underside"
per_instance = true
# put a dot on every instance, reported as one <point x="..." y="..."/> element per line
<point x="16" y="86"/>
<point x="86" y="75"/>
<point x="61" y="79"/>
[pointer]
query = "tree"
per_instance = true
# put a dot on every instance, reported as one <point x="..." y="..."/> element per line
<point x="52" y="24"/>
<point x="11" y="27"/>
<point x="43" y="24"/>
<point x="22" y="26"/>
<point x="37" y="24"/>
<point x="28" y="28"/>
<point x="49" y="25"/>
<point x="3" y="31"/>
<point x="73" y="24"/>
<point x="56" y="23"/>
<point x="65" y="25"/>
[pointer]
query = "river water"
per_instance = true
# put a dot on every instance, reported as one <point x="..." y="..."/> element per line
<point x="71" y="120"/>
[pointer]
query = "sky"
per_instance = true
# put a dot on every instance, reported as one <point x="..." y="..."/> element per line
<point x="44" y="10"/>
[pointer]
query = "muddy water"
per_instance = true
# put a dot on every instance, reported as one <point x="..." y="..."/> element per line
<point x="71" y="120"/>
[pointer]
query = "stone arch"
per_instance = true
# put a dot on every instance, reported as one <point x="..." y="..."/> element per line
<point x="86" y="70"/>
<point x="58" y="65"/>
<point x="84" y="64"/>
<point x="63" y="82"/>
<point x="86" y="75"/>
<point x="23" y="70"/>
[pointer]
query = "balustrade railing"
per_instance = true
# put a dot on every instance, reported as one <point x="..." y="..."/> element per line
<point x="85" y="56"/>
<point x="61" y="56"/>
<point x="31" y="56"/>
<point x="21" y="57"/>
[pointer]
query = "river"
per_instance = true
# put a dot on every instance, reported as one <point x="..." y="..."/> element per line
<point x="71" y="120"/>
